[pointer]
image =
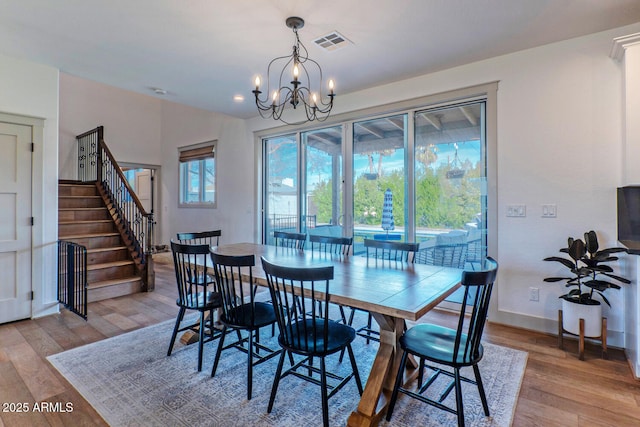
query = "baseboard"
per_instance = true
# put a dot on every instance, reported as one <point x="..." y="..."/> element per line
<point x="615" y="339"/>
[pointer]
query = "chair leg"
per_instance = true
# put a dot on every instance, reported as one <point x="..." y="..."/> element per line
<point x="276" y="381"/>
<point x="459" y="406"/>
<point x="201" y="341"/>
<point x="421" y="373"/>
<point x="219" y="350"/>
<point x="368" y="327"/>
<point x="483" y="396"/>
<point x="175" y="329"/>
<point x="250" y="365"/>
<point x="354" y="367"/>
<point x="323" y="390"/>
<point x="396" y="386"/>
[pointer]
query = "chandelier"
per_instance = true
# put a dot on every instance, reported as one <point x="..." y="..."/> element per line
<point x="301" y="93"/>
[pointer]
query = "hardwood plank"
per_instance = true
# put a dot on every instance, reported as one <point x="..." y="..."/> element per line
<point x="13" y="391"/>
<point x="36" y="375"/>
<point x="530" y="413"/>
<point x="121" y="321"/>
<point x="39" y="339"/>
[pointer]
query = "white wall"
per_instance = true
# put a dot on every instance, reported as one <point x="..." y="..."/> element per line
<point x="32" y="89"/>
<point x="132" y="122"/>
<point x="559" y="142"/>
<point x="234" y="213"/>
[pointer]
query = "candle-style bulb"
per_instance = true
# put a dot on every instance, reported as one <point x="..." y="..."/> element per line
<point x="257" y="82"/>
<point x="275" y="96"/>
<point x="331" y="85"/>
<point x="314" y="97"/>
<point x="296" y="72"/>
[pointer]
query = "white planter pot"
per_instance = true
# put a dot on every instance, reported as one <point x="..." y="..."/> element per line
<point x="592" y="315"/>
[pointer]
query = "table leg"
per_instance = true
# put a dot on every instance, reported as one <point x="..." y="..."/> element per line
<point x="377" y="391"/>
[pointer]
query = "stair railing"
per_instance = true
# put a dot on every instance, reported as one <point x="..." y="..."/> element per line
<point x="96" y="163"/>
<point x="72" y="277"/>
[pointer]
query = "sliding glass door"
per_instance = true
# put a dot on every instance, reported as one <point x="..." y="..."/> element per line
<point x="379" y="180"/>
<point x="303" y="188"/>
<point x="450" y="178"/>
<point x="418" y="175"/>
<point x="280" y="185"/>
<point x="322" y="188"/>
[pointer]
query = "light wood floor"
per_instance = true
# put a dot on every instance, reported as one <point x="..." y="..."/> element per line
<point x="557" y="389"/>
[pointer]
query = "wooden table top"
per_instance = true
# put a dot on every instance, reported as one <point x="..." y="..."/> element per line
<point x="396" y="289"/>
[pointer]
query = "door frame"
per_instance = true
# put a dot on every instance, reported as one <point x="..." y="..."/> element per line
<point x="155" y="187"/>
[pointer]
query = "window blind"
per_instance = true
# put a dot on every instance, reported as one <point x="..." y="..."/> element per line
<point x="199" y="153"/>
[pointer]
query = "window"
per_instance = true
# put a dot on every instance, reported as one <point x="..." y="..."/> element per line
<point x="424" y="173"/>
<point x="198" y="175"/>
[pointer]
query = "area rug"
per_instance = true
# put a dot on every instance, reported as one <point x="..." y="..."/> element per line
<point x="130" y="381"/>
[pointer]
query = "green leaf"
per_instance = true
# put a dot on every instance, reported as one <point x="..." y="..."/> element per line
<point x="618" y="278"/>
<point x="577" y="249"/>
<point x="601" y="285"/>
<point x="566" y="262"/>
<point x="591" y="242"/>
<point x="605" y="299"/>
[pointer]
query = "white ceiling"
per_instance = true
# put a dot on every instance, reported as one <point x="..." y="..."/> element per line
<point x="203" y="52"/>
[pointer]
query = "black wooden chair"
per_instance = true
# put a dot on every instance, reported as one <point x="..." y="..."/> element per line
<point x="446" y="255"/>
<point x="308" y="331"/>
<point x="328" y="245"/>
<point x="209" y="238"/>
<point x="290" y="240"/>
<point x="386" y="251"/>
<point x="455" y="348"/>
<point x="192" y="295"/>
<point x="241" y="311"/>
<point x="331" y="245"/>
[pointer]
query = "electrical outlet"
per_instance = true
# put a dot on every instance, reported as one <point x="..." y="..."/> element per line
<point x="534" y="294"/>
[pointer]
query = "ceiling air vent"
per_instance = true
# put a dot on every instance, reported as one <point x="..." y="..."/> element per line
<point x="332" y="41"/>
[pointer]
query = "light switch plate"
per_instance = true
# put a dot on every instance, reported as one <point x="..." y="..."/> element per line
<point x="516" y="210"/>
<point x="549" y="211"/>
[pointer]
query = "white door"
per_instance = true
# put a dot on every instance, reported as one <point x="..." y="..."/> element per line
<point x="143" y="188"/>
<point x="15" y="222"/>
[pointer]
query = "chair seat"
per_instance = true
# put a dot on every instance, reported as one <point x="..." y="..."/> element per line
<point x="436" y="343"/>
<point x="198" y="302"/>
<point x="263" y="315"/>
<point x="312" y="342"/>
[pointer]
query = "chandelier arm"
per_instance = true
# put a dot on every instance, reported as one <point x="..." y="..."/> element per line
<point x="298" y="93"/>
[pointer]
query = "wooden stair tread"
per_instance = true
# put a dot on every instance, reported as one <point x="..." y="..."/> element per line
<point x="83" y="209"/>
<point x="112" y="282"/>
<point x="109" y="264"/>
<point x="84" y="236"/>
<point x="108" y="249"/>
<point x="85" y="221"/>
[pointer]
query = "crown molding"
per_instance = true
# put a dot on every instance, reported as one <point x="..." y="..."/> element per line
<point x="620" y="44"/>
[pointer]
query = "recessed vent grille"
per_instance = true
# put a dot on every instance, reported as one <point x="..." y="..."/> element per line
<point x="332" y="41"/>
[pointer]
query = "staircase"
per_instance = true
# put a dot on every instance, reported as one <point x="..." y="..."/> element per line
<point x="84" y="218"/>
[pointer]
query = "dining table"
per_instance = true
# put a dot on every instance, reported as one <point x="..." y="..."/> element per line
<point x="391" y="291"/>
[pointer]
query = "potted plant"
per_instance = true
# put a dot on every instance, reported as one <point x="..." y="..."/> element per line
<point x="590" y="277"/>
